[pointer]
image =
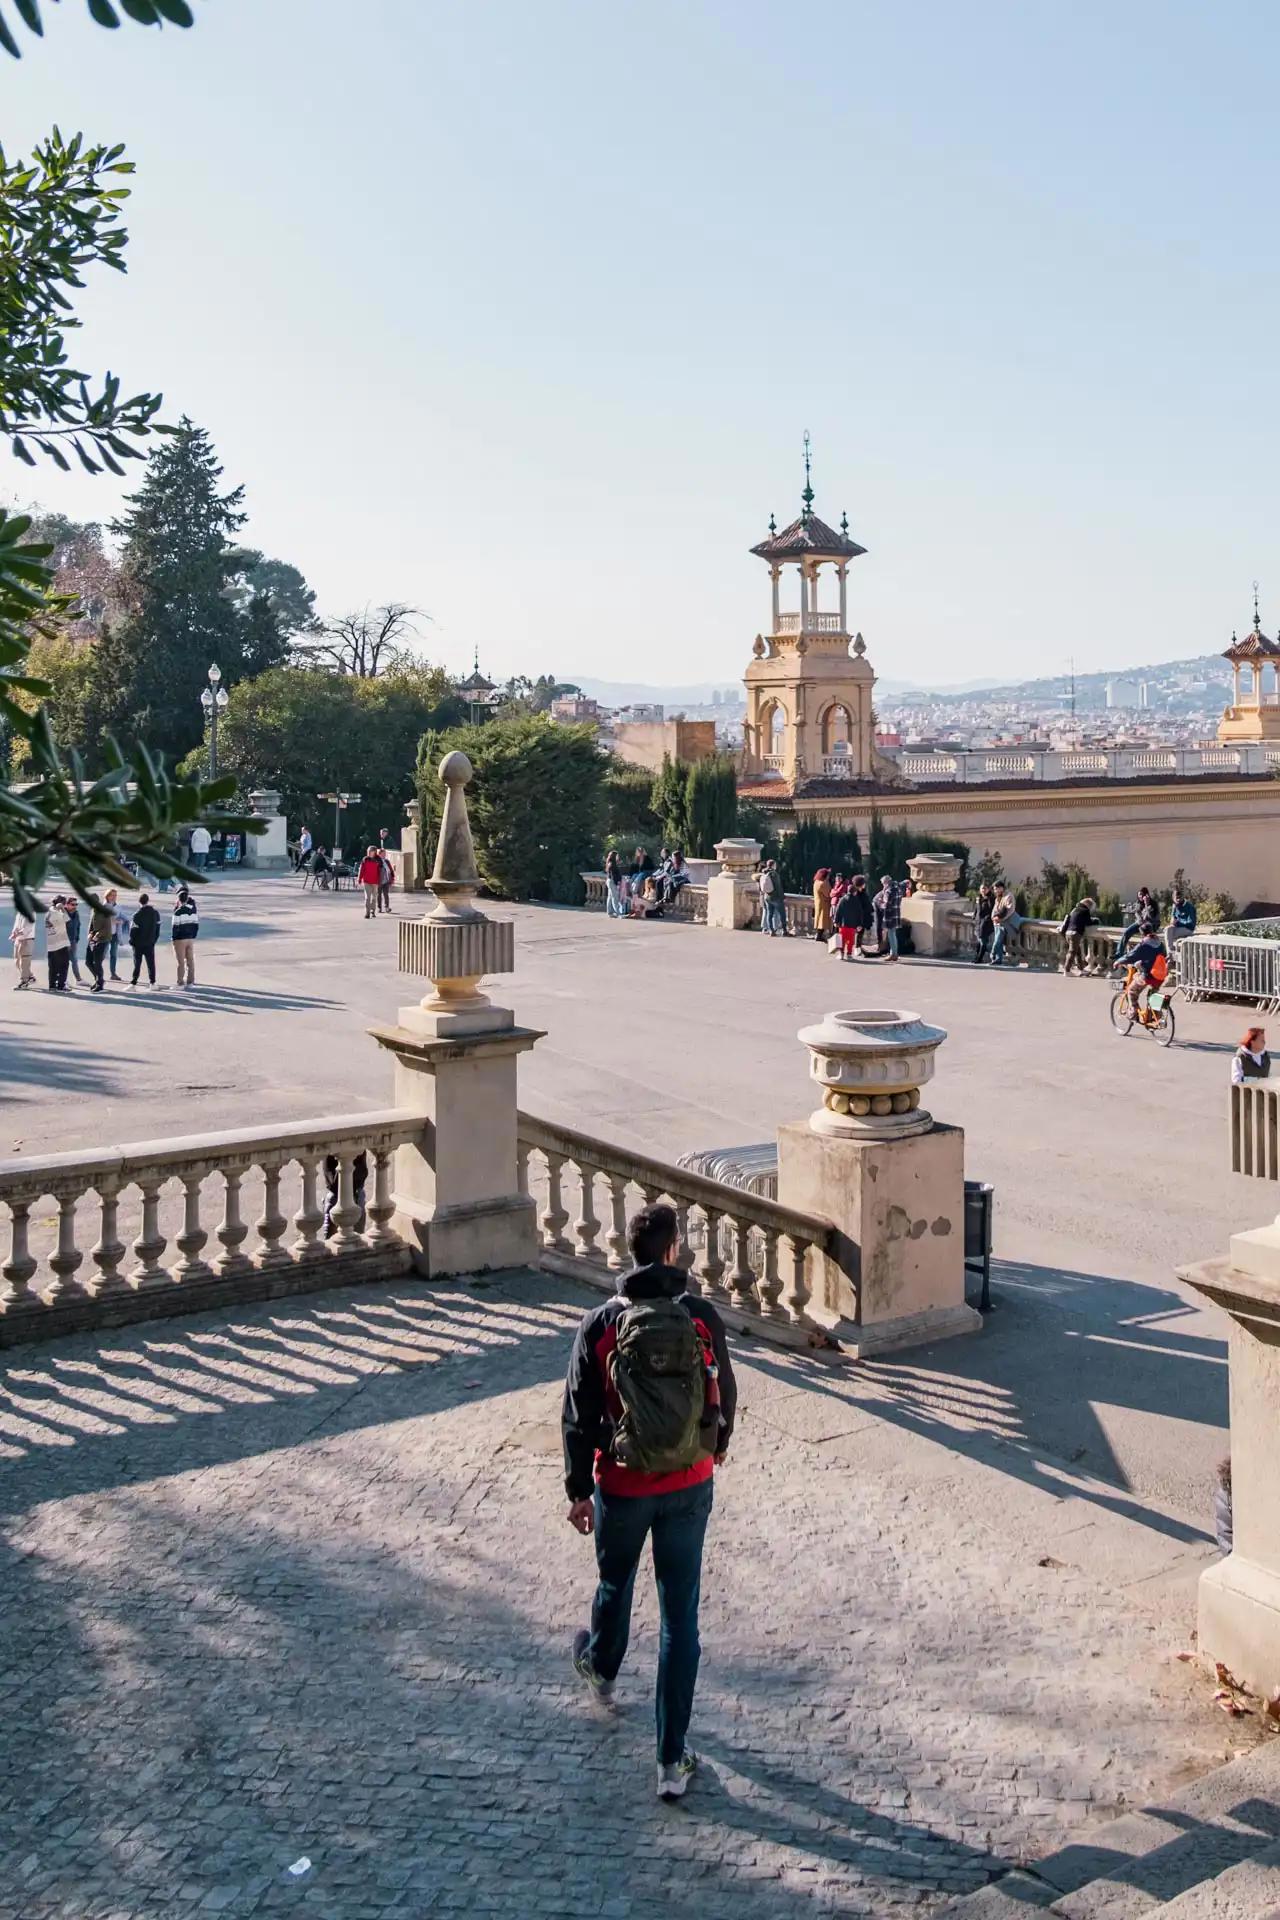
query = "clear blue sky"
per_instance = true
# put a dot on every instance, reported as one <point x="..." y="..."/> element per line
<point x="518" y="312"/>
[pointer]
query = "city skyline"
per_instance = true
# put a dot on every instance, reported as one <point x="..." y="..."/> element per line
<point x="517" y="320"/>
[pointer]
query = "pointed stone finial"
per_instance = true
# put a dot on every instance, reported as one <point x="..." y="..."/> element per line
<point x="807" y="495"/>
<point x="455" y="870"/>
<point x="758" y="647"/>
<point x="844" y="525"/>
<point x="773" y="524"/>
<point x="859" y="644"/>
<point x="1257" y="623"/>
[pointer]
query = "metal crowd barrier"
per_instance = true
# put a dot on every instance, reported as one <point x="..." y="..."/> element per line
<point x="1238" y="960"/>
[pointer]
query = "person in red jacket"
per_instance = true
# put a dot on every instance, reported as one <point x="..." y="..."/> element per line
<point x="370" y="879"/>
<point x="622" y="1506"/>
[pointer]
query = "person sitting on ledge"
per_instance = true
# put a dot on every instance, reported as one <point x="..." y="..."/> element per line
<point x="646" y="901"/>
<point x="673" y="874"/>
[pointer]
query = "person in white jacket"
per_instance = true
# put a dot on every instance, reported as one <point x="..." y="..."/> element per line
<point x="22" y="938"/>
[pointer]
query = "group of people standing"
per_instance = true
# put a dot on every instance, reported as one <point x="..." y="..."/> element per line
<point x="109" y="927"/>
<point x="845" y="911"/>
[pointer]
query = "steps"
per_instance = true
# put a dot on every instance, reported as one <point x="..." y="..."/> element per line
<point x="1208" y="1852"/>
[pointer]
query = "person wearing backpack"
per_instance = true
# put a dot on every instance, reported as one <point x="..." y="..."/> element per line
<point x="649" y="1405"/>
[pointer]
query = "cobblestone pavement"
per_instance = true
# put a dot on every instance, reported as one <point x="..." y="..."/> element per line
<point x="295" y="1582"/>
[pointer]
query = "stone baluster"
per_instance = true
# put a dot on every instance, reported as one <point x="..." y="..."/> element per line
<point x="796" y="1299"/>
<point x="66" y="1257"/>
<point x="769" y="1285"/>
<point x="711" y="1266"/>
<point x="272" y="1223"/>
<point x="346" y="1215"/>
<point x="616" y="1238"/>
<point x="110" y="1250"/>
<point x="555" y="1217"/>
<point x="587" y="1226"/>
<point x="232" y="1229"/>
<point x="192" y="1240"/>
<point x="382" y="1207"/>
<point x="150" y="1243"/>
<point x="685" y="1257"/>
<point x="19" y="1269"/>
<point x="742" y="1280"/>
<point x="522" y="1166"/>
<point x="310" y="1217"/>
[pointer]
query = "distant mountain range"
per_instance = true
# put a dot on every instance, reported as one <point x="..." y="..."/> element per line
<point x="1204" y="679"/>
<point x="625" y="693"/>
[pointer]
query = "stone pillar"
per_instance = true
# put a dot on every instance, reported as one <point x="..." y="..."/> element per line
<point x="804" y="597"/>
<point x="930" y="908"/>
<point x="873" y="1160"/>
<point x="842" y="574"/>
<point x="775" y="575"/>
<point x="269" y="850"/>
<point x="732" y="893"/>
<point x="1239" y="1600"/>
<point x="457" y="1197"/>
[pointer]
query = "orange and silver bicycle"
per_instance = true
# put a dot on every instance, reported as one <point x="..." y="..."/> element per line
<point x="1156" y="1016"/>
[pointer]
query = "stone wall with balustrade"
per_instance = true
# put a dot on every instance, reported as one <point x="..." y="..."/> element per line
<point x="691" y="904"/>
<point x="169" y="1226"/>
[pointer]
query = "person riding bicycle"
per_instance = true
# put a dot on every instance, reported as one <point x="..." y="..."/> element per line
<point x="1148" y="965"/>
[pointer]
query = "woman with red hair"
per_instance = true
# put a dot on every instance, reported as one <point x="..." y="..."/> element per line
<point x="1252" y="1061"/>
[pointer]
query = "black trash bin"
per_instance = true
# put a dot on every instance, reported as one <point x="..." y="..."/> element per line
<point x="979" y="1199"/>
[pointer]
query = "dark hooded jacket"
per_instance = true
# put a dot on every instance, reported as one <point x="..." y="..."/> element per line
<point x="591" y="1407"/>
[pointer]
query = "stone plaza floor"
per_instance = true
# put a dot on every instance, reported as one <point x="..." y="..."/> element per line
<point x="294" y="1581"/>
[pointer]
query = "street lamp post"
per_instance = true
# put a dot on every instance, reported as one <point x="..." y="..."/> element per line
<point x="341" y="801"/>
<point x="213" y="699"/>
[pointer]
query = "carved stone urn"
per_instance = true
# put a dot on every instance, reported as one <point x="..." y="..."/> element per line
<point x="871" y="1064"/>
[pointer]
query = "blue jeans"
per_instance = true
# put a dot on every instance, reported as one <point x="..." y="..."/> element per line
<point x="998" y="947"/>
<point x="773" y="919"/>
<point x="678" y="1524"/>
<point x="891" y="936"/>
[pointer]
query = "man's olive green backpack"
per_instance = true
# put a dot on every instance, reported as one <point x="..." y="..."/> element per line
<point x="659" y="1374"/>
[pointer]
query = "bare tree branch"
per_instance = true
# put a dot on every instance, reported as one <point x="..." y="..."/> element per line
<point x="366" y="643"/>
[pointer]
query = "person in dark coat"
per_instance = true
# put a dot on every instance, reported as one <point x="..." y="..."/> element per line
<point x="144" y="931"/>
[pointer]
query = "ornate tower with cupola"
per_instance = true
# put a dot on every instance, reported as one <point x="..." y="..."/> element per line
<point x="1254" y="713"/>
<point x="809" y="686"/>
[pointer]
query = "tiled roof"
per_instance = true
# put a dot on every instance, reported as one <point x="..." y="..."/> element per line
<point x="1254" y="646"/>
<point x="808" y="535"/>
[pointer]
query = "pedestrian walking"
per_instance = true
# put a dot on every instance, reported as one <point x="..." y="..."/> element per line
<point x="1251" y="1060"/>
<point x="22" y="938"/>
<point x="387" y="874"/>
<point x="1075" y="926"/>
<point x="201" y="841"/>
<point x="101" y="921"/>
<point x="71" y="907"/>
<point x="850" y="912"/>
<point x="983" y="923"/>
<point x="144" y="932"/>
<point x="888" y="904"/>
<point x="183" y="929"/>
<point x="648" y="1414"/>
<point x="822" y="908"/>
<point x="1006" y="919"/>
<point x="119" y="928"/>
<point x="304" y="849"/>
<point x="370" y="877"/>
<point x="57" y="945"/>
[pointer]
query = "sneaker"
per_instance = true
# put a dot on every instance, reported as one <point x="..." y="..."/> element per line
<point x="673" y="1782"/>
<point x="602" y="1689"/>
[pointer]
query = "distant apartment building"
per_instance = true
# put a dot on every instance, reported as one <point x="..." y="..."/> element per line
<point x="646" y="743"/>
<point x="1123" y="693"/>
<point x="576" y="707"/>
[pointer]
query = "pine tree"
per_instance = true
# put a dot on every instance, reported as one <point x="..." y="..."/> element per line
<point x="262" y="644"/>
<point x="176" y="558"/>
<point x="711" y="804"/>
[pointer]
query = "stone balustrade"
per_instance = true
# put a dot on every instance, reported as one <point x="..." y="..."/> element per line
<point x="168" y="1194"/>
<point x="752" y="1256"/>
<point x="1038" y="943"/>
<point x="691" y="904"/>
<point x="963" y="767"/>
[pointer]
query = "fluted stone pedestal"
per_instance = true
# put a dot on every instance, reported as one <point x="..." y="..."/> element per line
<point x="732" y="893"/>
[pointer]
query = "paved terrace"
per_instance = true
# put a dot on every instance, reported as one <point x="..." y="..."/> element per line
<point x="295" y="1582"/>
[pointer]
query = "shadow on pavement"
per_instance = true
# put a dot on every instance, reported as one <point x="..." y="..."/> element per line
<point x="51" y="1066"/>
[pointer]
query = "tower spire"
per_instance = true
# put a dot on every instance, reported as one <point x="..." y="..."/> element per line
<point x="1257" y="624"/>
<point x="807" y="495"/>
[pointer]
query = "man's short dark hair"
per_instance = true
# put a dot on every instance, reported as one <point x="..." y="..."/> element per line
<point x="651" y="1233"/>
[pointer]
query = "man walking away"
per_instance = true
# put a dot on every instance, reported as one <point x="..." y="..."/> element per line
<point x="304" y="849"/>
<point x="648" y="1413"/>
<point x="119" y="927"/>
<point x="1074" y="927"/>
<point x="386" y="879"/>
<point x="57" y="946"/>
<point x="22" y="938"/>
<point x="101" y="922"/>
<point x="370" y="877"/>
<point x="889" y="913"/>
<point x="201" y="841"/>
<point x="143" y="935"/>
<point x="71" y="907"/>
<point x="185" y="927"/>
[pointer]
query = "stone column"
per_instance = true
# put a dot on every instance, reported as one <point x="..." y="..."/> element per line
<point x="804" y="597"/>
<point x="1239" y="1599"/>
<point x="891" y="1178"/>
<point x="457" y="1194"/>
<point x="270" y="849"/>
<point x="930" y="908"/>
<point x="732" y="893"/>
<point x="842" y="575"/>
<point x="410" y="851"/>
<point x="775" y="576"/>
